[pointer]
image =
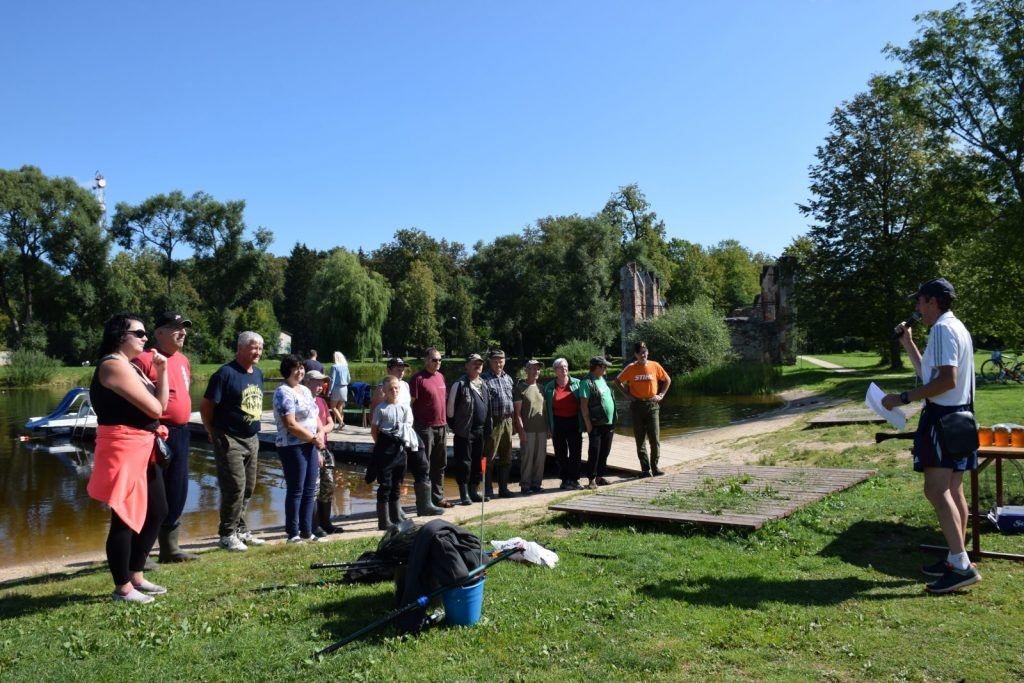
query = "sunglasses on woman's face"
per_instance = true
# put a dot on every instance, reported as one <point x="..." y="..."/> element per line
<point x="138" y="334"/>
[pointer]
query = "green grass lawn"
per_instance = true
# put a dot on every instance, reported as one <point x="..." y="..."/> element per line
<point x="832" y="593"/>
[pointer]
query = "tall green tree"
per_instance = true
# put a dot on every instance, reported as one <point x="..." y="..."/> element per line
<point x="350" y="304"/>
<point x="49" y="230"/>
<point x="506" y="279"/>
<point x="445" y="263"/>
<point x="578" y="275"/>
<point x="231" y="266"/>
<point x="641" y="234"/>
<point x="692" y="266"/>
<point x="967" y="69"/>
<point x="736" y="275"/>
<point x="413" y="324"/>
<point x="873" y="236"/>
<point x="161" y="222"/>
<point x="294" y="313"/>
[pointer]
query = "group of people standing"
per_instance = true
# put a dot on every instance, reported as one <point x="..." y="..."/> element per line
<point x="141" y="395"/>
<point x="140" y="469"/>
<point x="485" y="407"/>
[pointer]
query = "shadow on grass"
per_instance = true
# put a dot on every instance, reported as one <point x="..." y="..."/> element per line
<point x="888" y="547"/>
<point x="344" y="617"/>
<point x="754" y="592"/>
<point x="40" y="579"/>
<point x="19" y="605"/>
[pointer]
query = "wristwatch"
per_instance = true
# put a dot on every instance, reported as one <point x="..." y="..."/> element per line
<point x="905" y="397"/>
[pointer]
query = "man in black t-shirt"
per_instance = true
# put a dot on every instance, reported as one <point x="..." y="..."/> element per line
<point x="231" y="410"/>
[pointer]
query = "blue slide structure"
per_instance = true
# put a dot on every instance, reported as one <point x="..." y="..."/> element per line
<point x="60" y="411"/>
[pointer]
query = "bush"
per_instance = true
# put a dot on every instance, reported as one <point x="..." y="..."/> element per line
<point x="578" y="352"/>
<point x="738" y="378"/>
<point x="29" y="368"/>
<point x="686" y="337"/>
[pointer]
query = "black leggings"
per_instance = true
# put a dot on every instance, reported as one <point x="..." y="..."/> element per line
<point x="126" y="550"/>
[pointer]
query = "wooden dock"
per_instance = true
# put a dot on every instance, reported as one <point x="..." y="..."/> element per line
<point x="744" y="496"/>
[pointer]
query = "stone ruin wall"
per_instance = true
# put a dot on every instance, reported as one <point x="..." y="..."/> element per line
<point x="641" y="299"/>
<point x="760" y="332"/>
<point x="764" y="331"/>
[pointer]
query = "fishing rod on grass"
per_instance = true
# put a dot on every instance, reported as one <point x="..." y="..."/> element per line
<point x="418" y="603"/>
<point x="358" y="564"/>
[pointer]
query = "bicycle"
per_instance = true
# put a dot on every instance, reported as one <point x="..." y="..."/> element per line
<point x="1002" y="367"/>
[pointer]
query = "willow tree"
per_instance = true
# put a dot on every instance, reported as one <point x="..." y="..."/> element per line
<point x="349" y="303"/>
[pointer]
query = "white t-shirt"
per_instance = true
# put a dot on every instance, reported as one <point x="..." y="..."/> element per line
<point x="949" y="343"/>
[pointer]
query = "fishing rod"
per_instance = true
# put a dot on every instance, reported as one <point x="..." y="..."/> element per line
<point x="418" y="603"/>
<point x="356" y="563"/>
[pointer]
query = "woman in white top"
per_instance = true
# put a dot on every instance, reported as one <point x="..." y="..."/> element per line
<point x="300" y="436"/>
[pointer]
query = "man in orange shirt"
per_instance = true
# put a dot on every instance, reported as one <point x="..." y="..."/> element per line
<point x="644" y="383"/>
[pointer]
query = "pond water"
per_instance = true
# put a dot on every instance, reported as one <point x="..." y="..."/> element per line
<point x="47" y="513"/>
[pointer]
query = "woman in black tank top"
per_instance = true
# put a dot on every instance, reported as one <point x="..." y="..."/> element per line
<point x="125" y="477"/>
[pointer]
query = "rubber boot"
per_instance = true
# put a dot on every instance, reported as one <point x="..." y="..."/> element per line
<point x="424" y="508"/>
<point x="464" y="498"/>
<point x="503" y="490"/>
<point x="474" y="493"/>
<point x="397" y="513"/>
<point x="488" y="486"/>
<point x="383" y="520"/>
<point x="323" y="509"/>
<point x="169" y="550"/>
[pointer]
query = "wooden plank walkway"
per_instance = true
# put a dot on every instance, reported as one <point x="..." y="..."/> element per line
<point x="768" y="493"/>
<point x="858" y="414"/>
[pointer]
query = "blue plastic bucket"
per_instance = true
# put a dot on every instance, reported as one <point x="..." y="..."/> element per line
<point x="462" y="605"/>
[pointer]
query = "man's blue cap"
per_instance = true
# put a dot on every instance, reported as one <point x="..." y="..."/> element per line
<point x="935" y="287"/>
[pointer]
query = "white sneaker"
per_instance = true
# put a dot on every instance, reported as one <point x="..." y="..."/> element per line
<point x="247" y="538"/>
<point x="232" y="542"/>
<point x="133" y="596"/>
<point x="296" y="539"/>
<point x="148" y="586"/>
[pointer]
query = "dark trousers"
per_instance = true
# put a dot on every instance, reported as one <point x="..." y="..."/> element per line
<point x="436" y="446"/>
<point x="646" y="424"/>
<point x="237" y="459"/>
<point x="126" y="550"/>
<point x="325" y="489"/>
<point x="389" y="455"/>
<point x="176" y="474"/>
<point x="467" y="455"/>
<point x="568" y="444"/>
<point x="600" y="446"/>
<point x="301" y="471"/>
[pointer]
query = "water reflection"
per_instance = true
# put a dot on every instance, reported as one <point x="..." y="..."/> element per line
<point x="48" y="514"/>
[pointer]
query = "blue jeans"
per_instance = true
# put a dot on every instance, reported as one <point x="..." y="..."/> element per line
<point x="301" y="472"/>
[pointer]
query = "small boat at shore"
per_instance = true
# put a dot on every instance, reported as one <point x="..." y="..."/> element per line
<point x="74" y="413"/>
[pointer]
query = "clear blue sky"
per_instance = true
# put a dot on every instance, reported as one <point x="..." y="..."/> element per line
<point x="341" y="122"/>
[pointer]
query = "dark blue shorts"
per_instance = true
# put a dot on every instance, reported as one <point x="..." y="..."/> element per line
<point x="926" y="450"/>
